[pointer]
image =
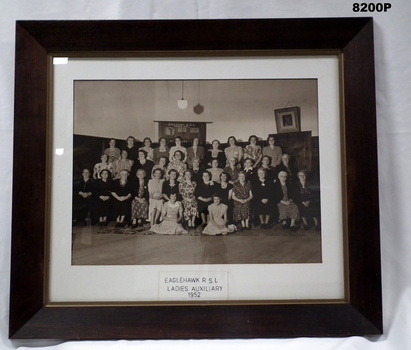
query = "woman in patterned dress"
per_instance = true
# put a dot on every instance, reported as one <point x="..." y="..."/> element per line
<point x="178" y="165"/>
<point x="139" y="205"/>
<point x="242" y="195"/>
<point x="155" y="192"/>
<point x="178" y="147"/>
<point x="101" y="166"/>
<point x="112" y="151"/>
<point x="233" y="150"/>
<point x="286" y="195"/>
<point x="172" y="213"/>
<point x="187" y="189"/>
<point x="217" y="225"/>
<point x="122" y="164"/>
<point x="147" y="147"/>
<point x="253" y="151"/>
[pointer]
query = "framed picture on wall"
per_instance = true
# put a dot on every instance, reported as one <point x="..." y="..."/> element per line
<point x="182" y="281"/>
<point x="288" y="119"/>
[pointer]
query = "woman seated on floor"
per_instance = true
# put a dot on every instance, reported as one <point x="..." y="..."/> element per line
<point x="217" y="224"/>
<point x="172" y="213"/>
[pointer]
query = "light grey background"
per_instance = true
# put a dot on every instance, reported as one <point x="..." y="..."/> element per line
<point x="393" y="78"/>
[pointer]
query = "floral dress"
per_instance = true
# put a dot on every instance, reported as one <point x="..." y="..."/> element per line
<point x="252" y="153"/>
<point x="102" y="166"/>
<point x="181" y="168"/>
<point x="121" y="164"/>
<point x="233" y="151"/>
<point x="139" y="205"/>
<point x="241" y="210"/>
<point x="189" y="200"/>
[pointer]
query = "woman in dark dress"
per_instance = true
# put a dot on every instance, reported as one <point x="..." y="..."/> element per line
<point x="171" y="185"/>
<point x="141" y="163"/>
<point x="215" y="153"/>
<point x="225" y="189"/>
<point x="308" y="201"/>
<point x="197" y="170"/>
<point x="269" y="170"/>
<point x="249" y="170"/>
<point x="285" y="196"/>
<point x="122" y="191"/>
<point x="287" y="166"/>
<point x="263" y="193"/>
<point x="82" y="197"/>
<point x="253" y="151"/>
<point x="102" y="194"/>
<point x="204" y="192"/>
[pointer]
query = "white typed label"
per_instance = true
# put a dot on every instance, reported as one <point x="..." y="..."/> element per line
<point x="187" y="285"/>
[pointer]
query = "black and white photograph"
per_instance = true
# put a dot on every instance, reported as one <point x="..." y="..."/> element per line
<point x="196" y="172"/>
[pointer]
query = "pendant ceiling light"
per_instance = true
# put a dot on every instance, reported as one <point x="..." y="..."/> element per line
<point x="198" y="108"/>
<point x="182" y="104"/>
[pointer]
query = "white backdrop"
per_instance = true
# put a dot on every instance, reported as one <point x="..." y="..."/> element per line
<point x="393" y="80"/>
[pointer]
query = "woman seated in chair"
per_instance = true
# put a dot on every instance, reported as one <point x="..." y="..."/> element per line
<point x="285" y="195"/>
<point x="122" y="192"/>
<point x="308" y="201"/>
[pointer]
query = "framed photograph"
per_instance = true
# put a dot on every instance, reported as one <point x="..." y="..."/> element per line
<point x="161" y="194"/>
<point x="288" y="119"/>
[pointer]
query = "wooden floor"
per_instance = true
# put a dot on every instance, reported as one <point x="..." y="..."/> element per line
<point x="95" y="246"/>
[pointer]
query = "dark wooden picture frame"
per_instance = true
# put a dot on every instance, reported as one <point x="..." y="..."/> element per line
<point x="288" y="119"/>
<point x="31" y="317"/>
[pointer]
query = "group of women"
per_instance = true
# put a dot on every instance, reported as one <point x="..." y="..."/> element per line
<point x="178" y="188"/>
